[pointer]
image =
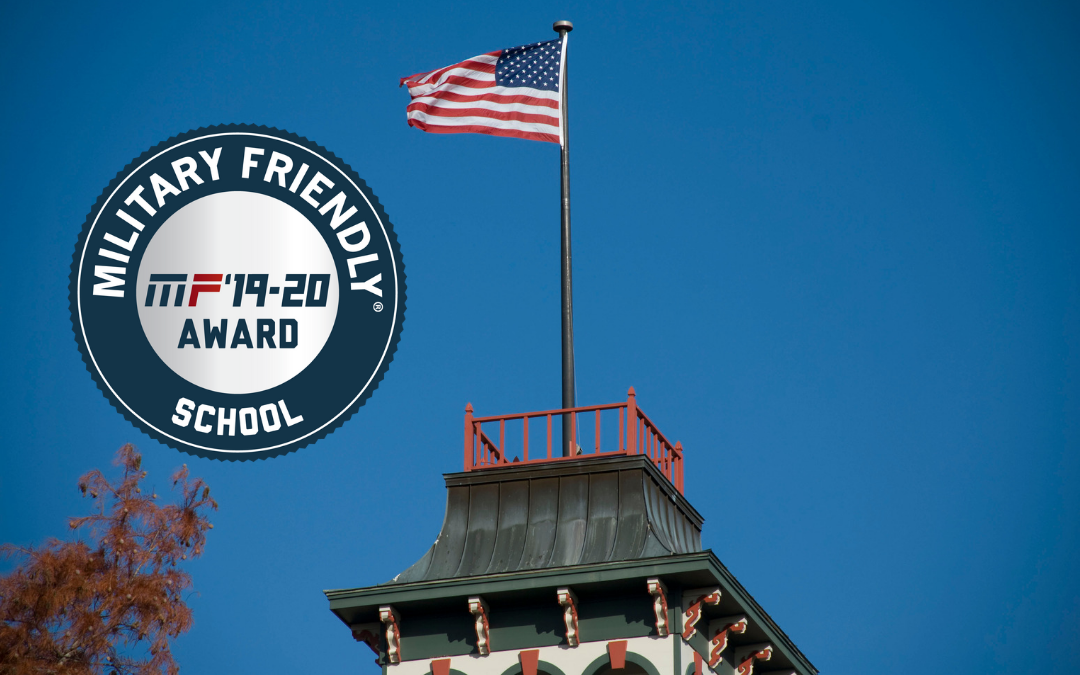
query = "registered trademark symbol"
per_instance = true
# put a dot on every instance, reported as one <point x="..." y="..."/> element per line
<point x="378" y="306"/>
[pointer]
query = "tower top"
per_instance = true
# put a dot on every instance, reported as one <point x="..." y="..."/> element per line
<point x="584" y="559"/>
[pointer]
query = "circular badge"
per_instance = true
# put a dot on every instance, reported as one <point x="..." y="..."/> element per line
<point x="237" y="292"/>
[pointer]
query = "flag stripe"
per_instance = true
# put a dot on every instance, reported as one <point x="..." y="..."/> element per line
<point x="541" y="97"/>
<point x="484" y="129"/>
<point x="482" y="60"/>
<point x="467" y="82"/>
<point x="440" y="120"/>
<point x="486" y="105"/>
<point x="456" y="71"/>
<point x="469" y="63"/>
<point x="467" y="66"/>
<point x="493" y="98"/>
<point x="505" y="115"/>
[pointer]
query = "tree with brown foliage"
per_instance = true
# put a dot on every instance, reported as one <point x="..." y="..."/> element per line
<point x="110" y="602"/>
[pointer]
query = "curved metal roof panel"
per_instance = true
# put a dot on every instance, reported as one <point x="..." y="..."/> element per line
<point x="573" y="512"/>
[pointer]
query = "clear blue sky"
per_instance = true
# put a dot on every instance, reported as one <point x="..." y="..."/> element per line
<point x="835" y="248"/>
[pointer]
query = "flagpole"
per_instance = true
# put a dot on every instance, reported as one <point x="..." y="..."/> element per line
<point x="568" y="394"/>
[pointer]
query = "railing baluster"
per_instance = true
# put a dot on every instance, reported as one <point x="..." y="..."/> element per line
<point x="549" y="436"/>
<point x="681" y="484"/>
<point x="597" y="431"/>
<point x="676" y="468"/>
<point x="502" y="441"/>
<point x="470" y="438"/>
<point x="526" y="450"/>
<point x="573" y="434"/>
<point x="621" y="445"/>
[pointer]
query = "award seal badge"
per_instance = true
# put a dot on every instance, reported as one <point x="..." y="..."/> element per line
<point x="237" y="292"/>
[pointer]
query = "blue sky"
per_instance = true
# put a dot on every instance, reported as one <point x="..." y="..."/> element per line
<point x="834" y="248"/>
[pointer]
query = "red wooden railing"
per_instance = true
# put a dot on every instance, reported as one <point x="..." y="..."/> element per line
<point x="637" y="435"/>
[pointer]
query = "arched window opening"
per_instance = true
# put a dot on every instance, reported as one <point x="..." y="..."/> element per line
<point x="630" y="669"/>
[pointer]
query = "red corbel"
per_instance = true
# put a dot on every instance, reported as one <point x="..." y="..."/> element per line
<point x="479" y="609"/>
<point x="390" y="619"/>
<point x="750" y="654"/>
<point x="568" y="601"/>
<point x="368" y="633"/>
<point x="705" y="596"/>
<point x="722" y="630"/>
<point x="658" y="591"/>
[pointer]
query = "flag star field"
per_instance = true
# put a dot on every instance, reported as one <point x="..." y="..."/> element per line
<point x="535" y="66"/>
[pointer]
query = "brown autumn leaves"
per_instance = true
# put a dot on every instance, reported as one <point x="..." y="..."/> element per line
<point x="111" y="601"/>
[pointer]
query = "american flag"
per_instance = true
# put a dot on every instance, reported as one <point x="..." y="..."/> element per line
<point x="512" y="92"/>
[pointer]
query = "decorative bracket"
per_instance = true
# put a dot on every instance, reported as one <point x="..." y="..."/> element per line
<point x="658" y="591"/>
<point x="368" y="633"/>
<point x="722" y="630"/>
<point x="479" y="609"/>
<point x="747" y="655"/>
<point x="705" y="596"/>
<point x="568" y="601"/>
<point x="390" y="618"/>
